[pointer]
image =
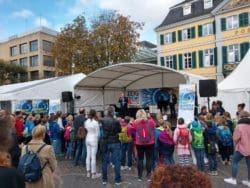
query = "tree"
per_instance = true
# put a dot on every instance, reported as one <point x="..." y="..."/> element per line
<point x="11" y="73"/>
<point x="110" y="38"/>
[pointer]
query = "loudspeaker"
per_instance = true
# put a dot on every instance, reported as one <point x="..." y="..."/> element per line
<point x="67" y="96"/>
<point x="208" y="88"/>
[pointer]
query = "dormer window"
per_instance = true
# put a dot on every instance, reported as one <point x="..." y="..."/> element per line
<point x="208" y="4"/>
<point x="186" y="9"/>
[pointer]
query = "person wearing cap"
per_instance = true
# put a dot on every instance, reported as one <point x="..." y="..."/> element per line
<point x="241" y="138"/>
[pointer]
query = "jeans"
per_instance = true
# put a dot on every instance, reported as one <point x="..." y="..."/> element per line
<point x="56" y="144"/>
<point x="115" y="150"/>
<point x="236" y="159"/>
<point x="169" y="160"/>
<point x="225" y="153"/>
<point x="126" y="152"/>
<point x="69" y="152"/>
<point x="148" y="150"/>
<point x="91" y="156"/>
<point x="80" y="151"/>
<point x="212" y="162"/>
<point x="199" y="155"/>
<point x="155" y="158"/>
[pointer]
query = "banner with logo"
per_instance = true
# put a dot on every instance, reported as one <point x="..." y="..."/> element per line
<point x="186" y="102"/>
<point x="24" y="106"/>
<point x="40" y="106"/>
<point x="54" y="106"/>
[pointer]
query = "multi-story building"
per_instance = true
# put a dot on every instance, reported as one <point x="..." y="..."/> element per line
<point x="31" y="50"/>
<point x="205" y="37"/>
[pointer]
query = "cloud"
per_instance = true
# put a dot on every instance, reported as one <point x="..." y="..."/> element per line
<point x="41" y="21"/>
<point x="24" y="13"/>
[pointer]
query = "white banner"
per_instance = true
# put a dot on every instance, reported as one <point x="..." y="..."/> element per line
<point x="186" y="102"/>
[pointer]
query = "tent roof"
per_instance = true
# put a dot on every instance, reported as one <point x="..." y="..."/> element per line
<point x="239" y="79"/>
<point x="136" y="76"/>
<point x="50" y="88"/>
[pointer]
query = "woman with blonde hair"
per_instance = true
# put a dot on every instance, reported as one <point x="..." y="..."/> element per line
<point x="46" y="156"/>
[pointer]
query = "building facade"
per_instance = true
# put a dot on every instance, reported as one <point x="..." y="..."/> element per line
<point x="31" y="50"/>
<point x="205" y="37"/>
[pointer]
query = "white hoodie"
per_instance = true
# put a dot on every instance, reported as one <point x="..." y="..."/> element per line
<point x="93" y="129"/>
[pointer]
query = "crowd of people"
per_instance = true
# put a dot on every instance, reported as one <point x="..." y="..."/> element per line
<point x="123" y="142"/>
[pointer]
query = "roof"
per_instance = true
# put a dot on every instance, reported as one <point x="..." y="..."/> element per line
<point x="146" y="44"/>
<point x="146" y="55"/>
<point x="136" y="76"/>
<point x="175" y="14"/>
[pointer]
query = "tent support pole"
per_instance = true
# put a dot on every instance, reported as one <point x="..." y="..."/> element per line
<point x="103" y="99"/>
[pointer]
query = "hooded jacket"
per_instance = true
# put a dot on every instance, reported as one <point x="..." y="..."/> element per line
<point x="210" y="133"/>
<point x="196" y="128"/>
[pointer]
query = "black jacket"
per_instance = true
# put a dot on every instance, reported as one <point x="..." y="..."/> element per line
<point x="78" y="122"/>
<point x="10" y="178"/>
<point x="244" y="121"/>
<point x="15" y="151"/>
<point x="111" y="128"/>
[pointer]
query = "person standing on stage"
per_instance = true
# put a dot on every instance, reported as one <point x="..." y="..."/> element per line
<point x="123" y="102"/>
<point x="172" y="103"/>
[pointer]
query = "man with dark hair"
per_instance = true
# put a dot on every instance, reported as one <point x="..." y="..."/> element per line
<point x="172" y="102"/>
<point x="123" y="103"/>
<point x="80" y="143"/>
<point x="110" y="130"/>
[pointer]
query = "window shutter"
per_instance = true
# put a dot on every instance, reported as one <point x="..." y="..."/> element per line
<point x="180" y="35"/>
<point x="243" y="19"/>
<point x="180" y="62"/>
<point x="215" y="56"/>
<point x="162" y="39"/>
<point x="214" y="27"/>
<point x="244" y="47"/>
<point x="163" y="61"/>
<point x="174" y="37"/>
<point x="224" y="54"/>
<point x="193" y="32"/>
<point x="174" y="62"/>
<point x="223" y="24"/>
<point x="193" y="60"/>
<point x="201" y="58"/>
<point x="200" y="30"/>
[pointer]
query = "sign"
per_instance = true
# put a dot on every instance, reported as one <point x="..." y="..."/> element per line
<point x="153" y="96"/>
<point x="186" y="102"/>
<point x="40" y="106"/>
<point x="54" y="106"/>
<point x="24" y="106"/>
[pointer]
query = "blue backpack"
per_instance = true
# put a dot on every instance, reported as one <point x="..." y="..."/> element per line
<point x="226" y="137"/>
<point x="30" y="165"/>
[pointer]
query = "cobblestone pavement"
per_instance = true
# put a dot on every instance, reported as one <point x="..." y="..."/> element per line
<point x="75" y="177"/>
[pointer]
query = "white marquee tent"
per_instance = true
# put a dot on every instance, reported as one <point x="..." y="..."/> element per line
<point x="235" y="88"/>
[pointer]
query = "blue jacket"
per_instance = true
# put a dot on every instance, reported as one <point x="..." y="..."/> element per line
<point x="157" y="132"/>
<point x="54" y="130"/>
<point x="29" y="125"/>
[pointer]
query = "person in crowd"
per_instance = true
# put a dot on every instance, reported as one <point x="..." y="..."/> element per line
<point x="182" y="139"/>
<point x="9" y="176"/>
<point x="241" y="108"/>
<point x="229" y="121"/>
<point x="173" y="176"/>
<point x="60" y="123"/>
<point x="214" y="108"/>
<point x="93" y="134"/>
<point x="111" y="144"/>
<point x="37" y="119"/>
<point x="211" y="148"/>
<point x="46" y="156"/>
<point x="209" y="117"/>
<point x="123" y="103"/>
<point x="19" y="126"/>
<point x="45" y="123"/>
<point x="220" y="109"/>
<point x="28" y="127"/>
<point x="242" y="150"/>
<point x="203" y="111"/>
<point x="55" y="134"/>
<point x="166" y="144"/>
<point x="68" y="138"/>
<point x="126" y="144"/>
<point x="172" y="102"/>
<point x="144" y="141"/>
<point x="198" y="144"/>
<point x="162" y="104"/>
<point x="80" y="141"/>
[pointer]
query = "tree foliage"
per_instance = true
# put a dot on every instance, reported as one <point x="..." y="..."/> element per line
<point x="110" y="38"/>
<point x="11" y="73"/>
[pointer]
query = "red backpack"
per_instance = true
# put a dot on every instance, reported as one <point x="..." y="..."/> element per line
<point x="67" y="134"/>
<point x="183" y="137"/>
<point x="144" y="133"/>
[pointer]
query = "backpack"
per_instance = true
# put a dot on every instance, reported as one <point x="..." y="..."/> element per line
<point x="198" y="139"/>
<point x="123" y="135"/>
<point x="144" y="133"/>
<point x="212" y="147"/>
<point x="72" y="134"/>
<point x="66" y="135"/>
<point x="226" y="137"/>
<point x="30" y="166"/>
<point x="183" y="136"/>
<point x="81" y="133"/>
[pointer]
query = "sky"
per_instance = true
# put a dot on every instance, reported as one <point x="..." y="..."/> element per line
<point x="18" y="16"/>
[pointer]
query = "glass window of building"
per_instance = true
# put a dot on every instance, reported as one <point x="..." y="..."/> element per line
<point x="207" y="29"/>
<point x="208" y="57"/>
<point x="34" y="75"/>
<point x="47" y="45"/>
<point x="48" y="61"/>
<point x="186" y="34"/>
<point x="14" y="62"/>
<point x="169" y="62"/>
<point x="48" y="74"/>
<point x="232" y="22"/>
<point x="23" y="48"/>
<point x="187" y="9"/>
<point x="208" y="4"/>
<point x="168" y="38"/>
<point x="233" y="53"/>
<point x="187" y="61"/>
<point x="24" y="62"/>
<point x="33" y="45"/>
<point x="23" y="77"/>
<point x="13" y="50"/>
<point x="34" y="61"/>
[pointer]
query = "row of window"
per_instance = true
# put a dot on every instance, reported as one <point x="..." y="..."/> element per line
<point x="207" y="58"/>
<point x="34" y="75"/>
<point x="235" y="21"/>
<point x="32" y="46"/>
<point x="187" y="7"/>
<point x="33" y="61"/>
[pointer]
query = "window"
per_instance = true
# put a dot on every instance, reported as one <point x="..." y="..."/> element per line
<point x="207" y="29"/>
<point x="48" y="61"/>
<point x="24" y="62"/>
<point x="34" y="75"/>
<point x="186" y="9"/>
<point x="48" y="74"/>
<point x="14" y="62"/>
<point x="208" y="57"/>
<point x="23" y="48"/>
<point x="208" y="4"/>
<point x="13" y="50"/>
<point x="168" y="38"/>
<point x="233" y="53"/>
<point x="47" y="45"/>
<point x="33" y="46"/>
<point x="169" y="61"/>
<point x="186" y="34"/>
<point x="232" y="22"/>
<point x="34" y="61"/>
<point x="187" y="60"/>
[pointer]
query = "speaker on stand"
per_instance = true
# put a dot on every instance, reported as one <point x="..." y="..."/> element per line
<point x="208" y="88"/>
<point x="68" y="98"/>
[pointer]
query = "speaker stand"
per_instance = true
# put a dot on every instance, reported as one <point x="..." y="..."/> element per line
<point x="208" y="103"/>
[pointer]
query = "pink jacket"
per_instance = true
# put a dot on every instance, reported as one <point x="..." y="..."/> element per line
<point x="242" y="139"/>
<point x="181" y="149"/>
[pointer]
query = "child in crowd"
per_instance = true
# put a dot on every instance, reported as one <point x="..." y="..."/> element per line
<point x="69" y="137"/>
